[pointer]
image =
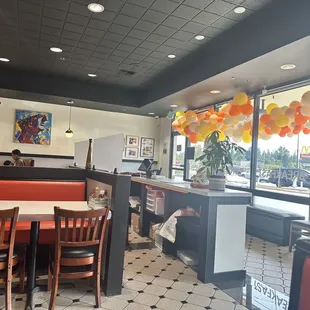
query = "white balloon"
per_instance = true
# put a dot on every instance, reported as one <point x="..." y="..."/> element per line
<point x="307" y="125"/>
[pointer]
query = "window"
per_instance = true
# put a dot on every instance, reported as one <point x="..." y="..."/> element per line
<point x="283" y="159"/>
<point x="192" y="166"/>
<point x="178" y="157"/>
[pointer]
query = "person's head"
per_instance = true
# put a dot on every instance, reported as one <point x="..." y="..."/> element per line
<point x="16" y="154"/>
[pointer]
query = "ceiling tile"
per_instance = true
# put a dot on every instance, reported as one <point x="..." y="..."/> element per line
<point x="106" y="16"/>
<point x="79" y="9"/>
<point x="164" y="6"/>
<point x="74" y="28"/>
<point x="154" y="16"/>
<point x="126" y="47"/>
<point x="188" y="46"/>
<point x="165" y="49"/>
<point x="89" y="39"/>
<point x="59" y="4"/>
<point x="175" y="22"/>
<point x="108" y="43"/>
<point x="113" y="5"/>
<point x="83" y="51"/>
<point x="54" y="13"/>
<point x="116" y="58"/>
<point x="125" y="20"/>
<point x="50" y="30"/>
<point x="49" y="38"/>
<point x="149" y="45"/>
<point x="193" y="27"/>
<point x="211" y="32"/>
<point x="165" y="31"/>
<point x="100" y="55"/>
<point x="173" y="42"/>
<point x="70" y="35"/>
<point x="94" y="32"/>
<point x="135" y="57"/>
<point x="104" y="49"/>
<point x="255" y="4"/>
<point x="119" y="29"/>
<point x="114" y="37"/>
<point x="144" y="3"/>
<point x="235" y="1"/>
<point x="151" y="60"/>
<point x="186" y="12"/>
<point x="142" y="51"/>
<point x="132" y="41"/>
<point x="206" y="18"/>
<point x="29" y="8"/>
<point x="156" y="38"/>
<point x="98" y="24"/>
<point x="219" y="7"/>
<point x="146" y="65"/>
<point x="182" y="35"/>
<point x="158" y="55"/>
<point x="138" y="34"/>
<point x="51" y="22"/>
<point x="30" y="18"/>
<point x="120" y="53"/>
<point x="224" y="23"/>
<point x="145" y="25"/>
<point x="77" y="19"/>
<point x="28" y="26"/>
<point x="133" y="10"/>
<point x="199" y="4"/>
<point x="87" y="46"/>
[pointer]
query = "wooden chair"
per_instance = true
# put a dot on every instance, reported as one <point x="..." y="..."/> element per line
<point x="11" y="264"/>
<point x="79" y="247"/>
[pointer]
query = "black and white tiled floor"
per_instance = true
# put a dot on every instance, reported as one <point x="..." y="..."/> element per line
<point x="155" y="281"/>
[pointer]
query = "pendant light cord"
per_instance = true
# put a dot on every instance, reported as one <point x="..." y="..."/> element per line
<point x="70" y="119"/>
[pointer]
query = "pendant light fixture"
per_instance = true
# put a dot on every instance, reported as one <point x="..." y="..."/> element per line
<point x="69" y="132"/>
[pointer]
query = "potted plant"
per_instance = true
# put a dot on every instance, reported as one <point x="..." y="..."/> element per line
<point x="216" y="160"/>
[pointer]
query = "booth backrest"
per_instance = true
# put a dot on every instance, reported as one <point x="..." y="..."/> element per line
<point x="42" y="190"/>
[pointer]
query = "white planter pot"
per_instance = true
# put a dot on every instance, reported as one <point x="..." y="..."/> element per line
<point x="217" y="182"/>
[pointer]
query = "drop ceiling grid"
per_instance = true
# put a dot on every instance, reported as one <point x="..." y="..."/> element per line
<point x="98" y="42"/>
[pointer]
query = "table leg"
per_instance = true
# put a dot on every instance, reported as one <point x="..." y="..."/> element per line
<point x="32" y="259"/>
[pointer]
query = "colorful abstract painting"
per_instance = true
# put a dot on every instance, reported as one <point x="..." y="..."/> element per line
<point x="33" y="127"/>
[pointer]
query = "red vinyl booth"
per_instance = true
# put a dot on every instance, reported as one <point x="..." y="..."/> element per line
<point x="40" y="191"/>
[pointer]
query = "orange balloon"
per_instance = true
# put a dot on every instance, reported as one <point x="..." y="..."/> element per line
<point x="220" y="119"/>
<point x="201" y="116"/>
<point x="297" y="129"/>
<point x="298" y="109"/>
<point x="306" y="131"/>
<point x="268" y="131"/>
<point x="282" y="132"/>
<point x="187" y="130"/>
<point x="300" y="119"/>
<point x="286" y="129"/>
<point x="234" y="111"/>
<point x="265" y="118"/>
<point x="193" y="138"/>
<point x="295" y="104"/>
<point x="247" y="109"/>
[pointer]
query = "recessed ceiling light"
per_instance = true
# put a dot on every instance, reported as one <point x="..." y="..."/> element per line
<point x="56" y="49"/>
<point x="151" y="113"/>
<point x="62" y="58"/>
<point x="92" y="74"/>
<point x="173" y="105"/>
<point x="288" y="66"/>
<point x="239" y="10"/>
<point x="95" y="7"/>
<point x="215" y="91"/>
<point x="171" y="56"/>
<point x="70" y="101"/>
<point x="199" y="37"/>
<point x="4" y="59"/>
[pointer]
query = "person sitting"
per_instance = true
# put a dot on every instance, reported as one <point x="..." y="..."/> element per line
<point x="16" y="155"/>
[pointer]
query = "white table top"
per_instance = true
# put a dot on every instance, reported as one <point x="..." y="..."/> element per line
<point x="184" y="187"/>
<point x="41" y="210"/>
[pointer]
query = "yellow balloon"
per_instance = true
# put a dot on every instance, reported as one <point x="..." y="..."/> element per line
<point x="241" y="99"/>
<point x="281" y="120"/>
<point x="261" y="127"/>
<point x="179" y="113"/>
<point x="213" y="119"/>
<point x="222" y="136"/>
<point x="205" y="130"/>
<point x="246" y="137"/>
<point x="270" y="107"/>
<point x="275" y="113"/>
<point x="225" y="108"/>
<point x="182" y="132"/>
<point x="200" y="137"/>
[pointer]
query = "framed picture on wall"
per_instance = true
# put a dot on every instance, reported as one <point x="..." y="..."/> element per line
<point x="131" y="152"/>
<point x="147" y="147"/>
<point x="132" y="141"/>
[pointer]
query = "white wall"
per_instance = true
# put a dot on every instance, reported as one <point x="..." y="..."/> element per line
<point x="86" y="124"/>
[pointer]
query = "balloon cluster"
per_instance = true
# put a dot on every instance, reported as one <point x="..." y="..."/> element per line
<point x="286" y="121"/>
<point x="231" y="120"/>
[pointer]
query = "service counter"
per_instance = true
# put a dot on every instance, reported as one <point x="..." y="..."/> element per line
<point x="221" y="233"/>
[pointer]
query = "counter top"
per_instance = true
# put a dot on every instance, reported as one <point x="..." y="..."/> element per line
<point x="184" y="187"/>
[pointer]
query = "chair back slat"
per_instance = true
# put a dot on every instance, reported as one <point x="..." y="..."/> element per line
<point x="8" y="218"/>
<point x="81" y="227"/>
